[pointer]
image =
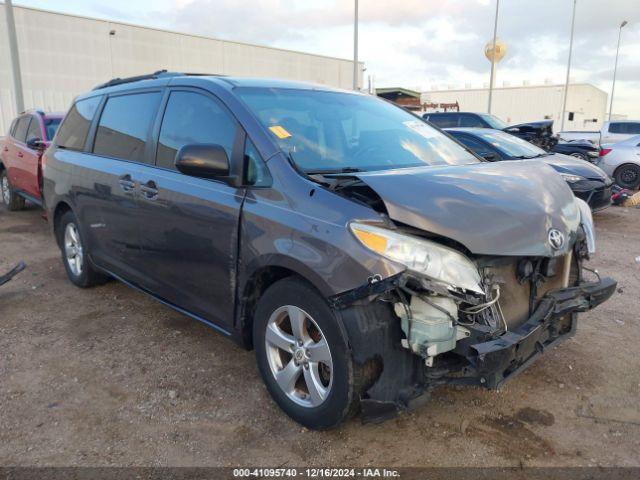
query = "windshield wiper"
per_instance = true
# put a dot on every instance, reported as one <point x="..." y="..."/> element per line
<point x="334" y="170"/>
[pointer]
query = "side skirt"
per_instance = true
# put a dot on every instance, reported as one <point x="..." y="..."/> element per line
<point x="168" y="304"/>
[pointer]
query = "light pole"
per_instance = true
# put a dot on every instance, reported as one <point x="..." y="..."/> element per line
<point x="355" y="47"/>
<point x="615" y="68"/>
<point x="566" y="84"/>
<point x="15" y="56"/>
<point x="493" y="56"/>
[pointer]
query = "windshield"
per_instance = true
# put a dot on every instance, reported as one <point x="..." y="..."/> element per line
<point x="493" y="121"/>
<point x="51" y="126"/>
<point x="511" y="145"/>
<point x="334" y="131"/>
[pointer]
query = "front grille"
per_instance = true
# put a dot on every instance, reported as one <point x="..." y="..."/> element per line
<point x="515" y="295"/>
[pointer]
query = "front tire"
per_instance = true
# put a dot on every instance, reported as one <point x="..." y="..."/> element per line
<point x="11" y="200"/>
<point x="302" y="355"/>
<point x="75" y="255"/>
<point x="628" y="176"/>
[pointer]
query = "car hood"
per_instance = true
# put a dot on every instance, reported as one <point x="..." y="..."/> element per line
<point x="567" y="164"/>
<point x="541" y="128"/>
<point x="502" y="208"/>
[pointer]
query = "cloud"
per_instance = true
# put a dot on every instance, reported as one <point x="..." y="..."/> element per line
<point x="420" y="43"/>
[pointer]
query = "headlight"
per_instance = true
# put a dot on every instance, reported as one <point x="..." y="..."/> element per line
<point x="572" y="178"/>
<point x="430" y="259"/>
<point x="586" y="219"/>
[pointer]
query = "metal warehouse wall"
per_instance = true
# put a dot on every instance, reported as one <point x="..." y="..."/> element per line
<point x="63" y="55"/>
<point x="530" y="103"/>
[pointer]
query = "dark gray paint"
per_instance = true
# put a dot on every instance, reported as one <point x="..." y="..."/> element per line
<point x="199" y="243"/>
<point x="490" y="208"/>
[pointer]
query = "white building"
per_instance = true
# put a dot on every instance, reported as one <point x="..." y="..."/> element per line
<point x="586" y="104"/>
<point x="64" y="55"/>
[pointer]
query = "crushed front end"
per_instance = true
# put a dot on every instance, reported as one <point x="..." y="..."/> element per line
<point x="413" y="332"/>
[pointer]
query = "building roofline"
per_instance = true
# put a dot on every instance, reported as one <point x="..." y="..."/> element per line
<point x="164" y="30"/>
<point x="515" y="87"/>
<point x="406" y="91"/>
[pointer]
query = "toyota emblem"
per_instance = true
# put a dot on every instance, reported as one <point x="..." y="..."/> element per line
<point x="556" y="239"/>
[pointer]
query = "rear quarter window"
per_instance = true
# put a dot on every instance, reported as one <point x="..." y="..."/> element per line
<point x="73" y="131"/>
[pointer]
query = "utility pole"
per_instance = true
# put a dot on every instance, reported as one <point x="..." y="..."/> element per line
<point x="15" y="57"/>
<point x="493" y="57"/>
<point x="615" y="69"/>
<point x="566" y="84"/>
<point x="355" y="47"/>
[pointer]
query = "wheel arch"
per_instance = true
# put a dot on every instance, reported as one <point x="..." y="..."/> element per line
<point x="60" y="209"/>
<point x="260" y="278"/>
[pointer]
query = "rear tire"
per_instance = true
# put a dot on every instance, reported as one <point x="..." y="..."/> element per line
<point x="628" y="176"/>
<point x="12" y="201"/>
<point x="297" y="338"/>
<point x="75" y="255"/>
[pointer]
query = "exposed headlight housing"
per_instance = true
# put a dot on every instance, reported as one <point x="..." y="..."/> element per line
<point x="437" y="262"/>
<point x="586" y="219"/>
<point x="572" y="178"/>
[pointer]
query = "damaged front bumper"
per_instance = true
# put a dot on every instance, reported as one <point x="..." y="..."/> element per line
<point x="395" y="379"/>
<point x="495" y="361"/>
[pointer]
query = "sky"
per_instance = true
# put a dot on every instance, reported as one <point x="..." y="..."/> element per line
<point x="416" y="44"/>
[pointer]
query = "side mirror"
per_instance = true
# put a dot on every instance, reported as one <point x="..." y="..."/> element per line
<point x="489" y="156"/>
<point x="204" y="160"/>
<point x="35" y="143"/>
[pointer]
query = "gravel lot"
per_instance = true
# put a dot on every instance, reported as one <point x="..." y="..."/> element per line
<point x="107" y="376"/>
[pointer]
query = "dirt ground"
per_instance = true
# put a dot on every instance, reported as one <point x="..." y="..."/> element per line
<point x="108" y="376"/>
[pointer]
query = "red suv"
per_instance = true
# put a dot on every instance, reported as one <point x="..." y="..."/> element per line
<point x="21" y="157"/>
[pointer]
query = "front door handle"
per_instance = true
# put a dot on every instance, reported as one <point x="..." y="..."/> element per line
<point x="126" y="183"/>
<point x="149" y="190"/>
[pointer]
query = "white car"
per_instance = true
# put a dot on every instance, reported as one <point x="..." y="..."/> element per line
<point x="611" y="132"/>
<point x="622" y="161"/>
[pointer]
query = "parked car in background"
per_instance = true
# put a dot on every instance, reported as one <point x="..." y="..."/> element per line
<point x="538" y="133"/>
<point x="611" y="132"/>
<point x="366" y="256"/>
<point x="587" y="181"/>
<point x="581" y="149"/>
<point x="21" y="157"/>
<point x="622" y="161"/>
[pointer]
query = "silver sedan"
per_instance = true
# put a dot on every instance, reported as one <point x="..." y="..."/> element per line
<point x="622" y="162"/>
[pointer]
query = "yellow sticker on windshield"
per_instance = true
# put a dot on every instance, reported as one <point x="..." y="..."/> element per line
<point x="279" y="131"/>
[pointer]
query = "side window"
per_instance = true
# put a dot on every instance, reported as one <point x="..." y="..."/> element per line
<point x="124" y="125"/>
<point x="444" y="121"/>
<point x="12" y="128"/>
<point x="470" y="121"/>
<point x="257" y="172"/>
<point x="633" y="128"/>
<point x="617" y="127"/>
<point x="34" y="129"/>
<point x="193" y="118"/>
<point x="475" y="145"/>
<point x="21" y="129"/>
<point x="74" y="128"/>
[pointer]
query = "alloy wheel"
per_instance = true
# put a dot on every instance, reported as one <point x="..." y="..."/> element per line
<point x="73" y="249"/>
<point x="299" y="356"/>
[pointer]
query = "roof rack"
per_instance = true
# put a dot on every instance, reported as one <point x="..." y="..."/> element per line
<point x="149" y="76"/>
<point x="37" y="110"/>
